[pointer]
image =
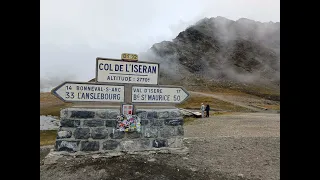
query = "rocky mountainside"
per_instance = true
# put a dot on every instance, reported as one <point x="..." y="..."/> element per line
<point x="219" y="49"/>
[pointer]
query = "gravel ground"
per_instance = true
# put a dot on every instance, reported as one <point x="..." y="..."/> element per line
<point x="234" y="146"/>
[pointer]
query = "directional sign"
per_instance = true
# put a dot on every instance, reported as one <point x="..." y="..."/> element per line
<point x="88" y="92"/>
<point x="158" y="94"/>
<point x="124" y="72"/>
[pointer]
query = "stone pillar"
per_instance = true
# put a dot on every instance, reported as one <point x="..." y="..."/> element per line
<point x="89" y="129"/>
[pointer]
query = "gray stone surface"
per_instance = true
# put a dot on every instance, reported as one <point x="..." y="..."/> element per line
<point x="64" y="113"/>
<point x="99" y="133"/>
<point x="102" y="114"/>
<point x="69" y="123"/>
<point x="70" y="146"/>
<point x="163" y="114"/>
<point x="95" y="130"/>
<point x="133" y="135"/>
<point x="180" y="131"/>
<point x="117" y="135"/>
<point x="141" y="114"/>
<point x="156" y="122"/>
<point x="82" y="114"/>
<point x="93" y="123"/>
<point x="144" y="122"/>
<point x="152" y="115"/>
<point x="145" y="143"/>
<point x="175" y="142"/>
<point x="89" y="146"/>
<point x="158" y="143"/>
<point x="175" y="113"/>
<point x="110" y="145"/>
<point x="64" y="134"/>
<point x="173" y="122"/>
<point x="168" y="131"/>
<point x="131" y="145"/>
<point x="111" y="123"/>
<point x="81" y="133"/>
<point x="113" y="114"/>
<point x="150" y="132"/>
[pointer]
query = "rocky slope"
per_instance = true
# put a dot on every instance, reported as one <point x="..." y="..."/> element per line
<point x="219" y="49"/>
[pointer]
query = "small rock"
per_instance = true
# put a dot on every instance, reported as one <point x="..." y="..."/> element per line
<point x="95" y="156"/>
<point x="193" y="169"/>
<point x="185" y="158"/>
<point x="240" y="175"/>
<point x="152" y="160"/>
<point x="84" y="170"/>
<point x="102" y="171"/>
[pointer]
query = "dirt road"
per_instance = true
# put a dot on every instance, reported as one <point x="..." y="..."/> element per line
<point x="246" y="102"/>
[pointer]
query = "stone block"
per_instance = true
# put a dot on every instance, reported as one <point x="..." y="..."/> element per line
<point x="101" y="114"/>
<point x="111" y="123"/>
<point x="150" y="132"/>
<point x="175" y="114"/>
<point x="93" y="123"/>
<point x="117" y="135"/>
<point x="158" y="143"/>
<point x="69" y="123"/>
<point x="144" y="122"/>
<point x="113" y="114"/>
<point x="82" y="133"/>
<point x="82" y="114"/>
<point x="173" y="122"/>
<point x="89" y="146"/>
<point x="163" y="114"/>
<point x="110" y="145"/>
<point x="152" y="115"/>
<point x="176" y="142"/>
<point x="70" y="146"/>
<point x="141" y="114"/>
<point x="168" y="131"/>
<point x="133" y="135"/>
<point x="156" y="122"/>
<point x="64" y="134"/>
<point x="133" y="145"/>
<point x="99" y="133"/>
<point x="180" y="131"/>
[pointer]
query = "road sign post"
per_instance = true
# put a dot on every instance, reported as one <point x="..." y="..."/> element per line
<point x="159" y="94"/>
<point x="126" y="72"/>
<point x="89" y="92"/>
<point x="125" y="81"/>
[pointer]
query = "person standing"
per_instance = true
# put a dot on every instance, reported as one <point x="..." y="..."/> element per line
<point x="202" y="108"/>
<point x="207" y="110"/>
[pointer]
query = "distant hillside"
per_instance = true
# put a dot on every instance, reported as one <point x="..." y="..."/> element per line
<point x="219" y="49"/>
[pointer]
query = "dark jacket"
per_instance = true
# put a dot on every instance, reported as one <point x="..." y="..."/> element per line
<point x="207" y="108"/>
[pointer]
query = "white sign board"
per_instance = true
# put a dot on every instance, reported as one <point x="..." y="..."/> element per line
<point x="158" y="94"/>
<point x="89" y="92"/>
<point x="117" y="71"/>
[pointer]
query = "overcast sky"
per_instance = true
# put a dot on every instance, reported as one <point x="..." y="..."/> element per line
<point x="74" y="32"/>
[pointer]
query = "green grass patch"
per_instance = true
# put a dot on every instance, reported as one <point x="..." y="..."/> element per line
<point x="53" y="110"/>
<point x="48" y="137"/>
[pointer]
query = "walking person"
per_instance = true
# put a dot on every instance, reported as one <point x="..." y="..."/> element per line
<point x="207" y="110"/>
<point x="202" y="108"/>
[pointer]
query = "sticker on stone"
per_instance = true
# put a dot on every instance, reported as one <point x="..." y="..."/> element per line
<point x="128" y="123"/>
